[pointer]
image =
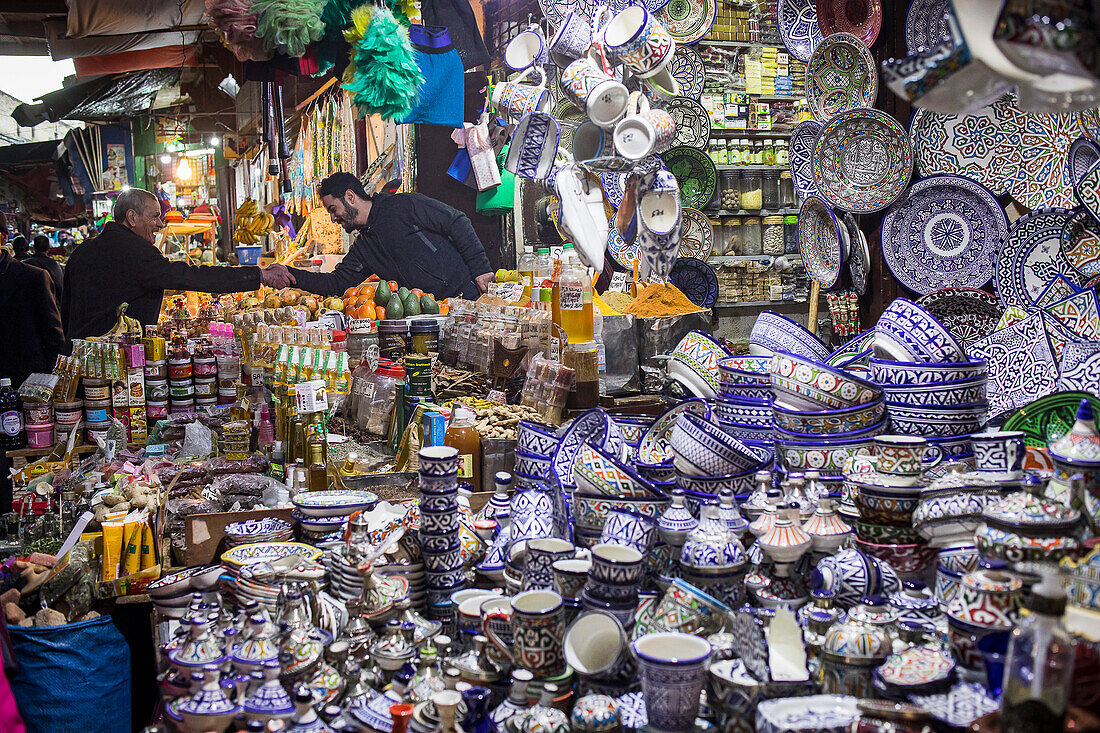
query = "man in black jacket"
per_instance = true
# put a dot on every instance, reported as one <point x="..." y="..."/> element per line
<point x="31" y="327"/>
<point x="122" y="265"/>
<point x="41" y="258"/>
<point x="407" y="237"/>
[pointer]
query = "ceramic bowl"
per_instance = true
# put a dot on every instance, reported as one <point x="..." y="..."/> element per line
<point x="941" y="422"/>
<point x="595" y="425"/>
<point x="704" y="449"/>
<point x="745" y="413"/>
<point x="446" y="483"/>
<point x="656" y="472"/>
<point x="745" y="370"/>
<point x="531" y="464"/>
<point x="828" y="456"/>
<point x="536" y="438"/>
<point x="590" y="511"/>
<point x="907" y="560"/>
<point x="598" y="472"/>
<point x="889" y="508"/>
<point x="447" y="579"/>
<point x="938" y="394"/>
<point x="440" y="562"/>
<point x="886" y="534"/>
<point x="959" y="557"/>
<point x="701" y="352"/>
<point x="773" y="332"/>
<point x="813" y="714"/>
<point x="747" y="434"/>
<point x="754" y="392"/>
<point x="439" y="503"/>
<point x="695" y="382"/>
<point x="887" y="371"/>
<point x="334" y="503"/>
<point x="654" y="447"/>
<point x="438" y="523"/>
<point x="801" y="383"/>
<point x="632" y="428"/>
<point x="829" y="422"/>
<point x="907" y="332"/>
<point x="742" y="482"/>
<point x="868" y="432"/>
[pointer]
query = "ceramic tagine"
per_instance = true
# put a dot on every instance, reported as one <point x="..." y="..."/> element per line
<point x="853" y="648"/>
<point x="826" y="529"/>
<point x="1078" y="451"/>
<point x="728" y="513"/>
<point x="950" y="506"/>
<point x="676" y="520"/>
<point x="785" y="541"/>
<point x="1025" y="526"/>
<point x="543" y="717"/>
<point x="918" y="669"/>
<point x="516" y="702"/>
<point x="199" y="649"/>
<point x="209" y="708"/>
<point x="916" y="604"/>
<point x="987" y="600"/>
<point x="270" y="700"/>
<point x="256" y="651"/>
<point x="392" y="650"/>
<point x="713" y="559"/>
<point x="766" y="519"/>
<point x="758" y="499"/>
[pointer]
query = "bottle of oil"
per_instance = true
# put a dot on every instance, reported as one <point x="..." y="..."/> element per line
<point x="526" y="267"/>
<point x="318" y="473"/>
<point x="575" y="299"/>
<point x="462" y="434"/>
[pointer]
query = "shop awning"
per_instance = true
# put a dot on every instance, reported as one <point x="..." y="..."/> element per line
<point x="29" y="153"/>
<point x="120" y="17"/>
<point x="64" y="47"/>
<point x="108" y="97"/>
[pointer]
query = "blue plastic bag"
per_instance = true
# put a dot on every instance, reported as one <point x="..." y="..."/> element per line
<point x="73" y="678"/>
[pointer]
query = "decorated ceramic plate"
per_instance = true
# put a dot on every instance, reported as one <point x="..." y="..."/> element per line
<point x="926" y="24"/>
<point x="840" y="76"/>
<point x="268" y="552"/>
<point x="1031" y="255"/>
<point x="1081" y="243"/>
<point x="968" y="313"/>
<point x="612" y="182"/>
<point x="862" y="160"/>
<point x="1089" y="120"/>
<point x="654" y="447"/>
<point x="1034" y="149"/>
<point x="803" y="140"/>
<point x="861" y="18"/>
<point x="569" y="119"/>
<point x="556" y="10"/>
<point x="333" y="503"/>
<point x="798" y="27"/>
<point x="859" y="255"/>
<point x="963" y="144"/>
<point x="692" y="122"/>
<point x="688" y="20"/>
<point x="819" y="712"/>
<point x="1087" y="191"/>
<point x="696" y="235"/>
<point x="943" y="232"/>
<point x="1048" y="418"/>
<point x="696" y="280"/>
<point x="694" y="171"/>
<point x="624" y="254"/>
<point x="687" y="69"/>
<point x="819" y="239"/>
<point x="1083" y="155"/>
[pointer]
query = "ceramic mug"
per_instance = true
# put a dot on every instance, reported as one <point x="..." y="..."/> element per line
<point x="643" y="131"/>
<point x="589" y="84"/>
<point x="592" y="141"/>
<point x="672" y="666"/>
<point x="596" y="645"/>
<point x="527" y="49"/>
<point x="538" y="630"/>
<point x="902" y="458"/>
<point x="999" y="453"/>
<point x="570" y="576"/>
<point x="514" y="99"/>
<point x="572" y="39"/>
<point x="540" y="556"/>
<point x="614" y="563"/>
<point x="638" y="39"/>
<point x="438" y="460"/>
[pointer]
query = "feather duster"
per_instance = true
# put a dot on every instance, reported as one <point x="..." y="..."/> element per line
<point x="289" y="25"/>
<point x="235" y="23"/>
<point x="385" y="79"/>
<point x="337" y="14"/>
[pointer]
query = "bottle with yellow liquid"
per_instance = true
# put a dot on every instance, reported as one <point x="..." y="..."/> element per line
<point x="526" y="268"/>
<point x="575" y="299"/>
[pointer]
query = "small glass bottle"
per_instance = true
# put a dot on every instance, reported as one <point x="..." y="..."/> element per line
<point x="768" y="153"/>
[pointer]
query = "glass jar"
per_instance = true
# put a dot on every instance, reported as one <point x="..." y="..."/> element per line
<point x="768" y="153"/>
<point x="770" y="197"/>
<point x="733" y="243"/>
<point x="730" y="199"/>
<point x="790" y="235"/>
<point x="782" y="153"/>
<point x="772" y="237"/>
<point x="752" y="183"/>
<point x="751" y="236"/>
<point x="787" y="198"/>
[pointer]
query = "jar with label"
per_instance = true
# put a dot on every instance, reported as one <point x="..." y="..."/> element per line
<point x="712" y="151"/>
<point x="787" y="198"/>
<point x="782" y="153"/>
<point x="204" y="367"/>
<point x="734" y="244"/>
<point x="95" y="411"/>
<point x="723" y="152"/>
<point x="463" y="435"/>
<point x="156" y="389"/>
<point x="790" y="235"/>
<point x="424" y="336"/>
<point x="731" y="191"/>
<point x="770" y="198"/>
<point x="97" y="389"/>
<point x="773" y="235"/>
<point x="156" y="370"/>
<point x="752" y="190"/>
<point x="362" y="335"/>
<point x="768" y="153"/>
<point x="180" y="369"/>
<point x="752" y="243"/>
<point x="393" y="339"/>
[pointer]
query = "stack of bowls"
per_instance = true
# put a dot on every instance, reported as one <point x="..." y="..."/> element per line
<point x="744" y="399"/>
<point x="260" y="529"/>
<point x="173" y="594"/>
<point x="708" y="459"/>
<point x="439" y="519"/>
<point x="694" y="363"/>
<point x="932" y="389"/>
<point x="614" y="579"/>
<point x="773" y="332"/>
<point x="535" y="446"/>
<point x="320" y="514"/>
<point x="823" y="415"/>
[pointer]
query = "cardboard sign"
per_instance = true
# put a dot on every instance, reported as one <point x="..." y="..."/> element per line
<point x="312" y="396"/>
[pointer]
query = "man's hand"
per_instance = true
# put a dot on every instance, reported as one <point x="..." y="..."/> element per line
<point x="484" y="280"/>
<point x="277" y="276"/>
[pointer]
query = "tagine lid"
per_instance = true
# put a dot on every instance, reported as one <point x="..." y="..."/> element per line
<point x="1029" y="509"/>
<point x="1082" y="443"/>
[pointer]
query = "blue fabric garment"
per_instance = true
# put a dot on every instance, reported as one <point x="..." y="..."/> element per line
<point x="443" y="95"/>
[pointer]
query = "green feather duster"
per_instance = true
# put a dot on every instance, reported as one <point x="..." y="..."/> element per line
<point x="386" y="80"/>
<point x="289" y="25"/>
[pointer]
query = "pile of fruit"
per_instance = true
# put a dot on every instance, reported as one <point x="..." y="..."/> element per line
<point x="289" y="297"/>
<point x="251" y="223"/>
<point x="382" y="300"/>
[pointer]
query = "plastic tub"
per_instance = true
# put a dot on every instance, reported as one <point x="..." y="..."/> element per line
<point x="97" y="389"/>
<point x="68" y="413"/>
<point x="206" y="389"/>
<point x="156" y="410"/>
<point x="156" y="390"/>
<point x="95" y="411"/>
<point x="40" y="436"/>
<point x="180" y="369"/>
<point x="156" y="370"/>
<point x="38" y="413"/>
<point x="205" y="368"/>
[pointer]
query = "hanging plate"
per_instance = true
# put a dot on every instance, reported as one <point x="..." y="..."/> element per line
<point x="1048" y="418"/>
<point x="962" y="144"/>
<point x="926" y="24"/>
<point x="687" y="69"/>
<point x="798" y="27"/>
<point x="696" y="280"/>
<point x="862" y="160"/>
<point x="1087" y="191"/>
<point x="1031" y="255"/>
<point x="801" y="152"/>
<point x="819" y="240"/>
<point x="968" y="313"/>
<point x="695" y="172"/>
<point x="692" y="122"/>
<point x="696" y="235"/>
<point x="1034" y="149"/>
<point x="1081" y="243"/>
<point x="1083" y="155"/>
<point x="688" y="20"/>
<point x="943" y="232"/>
<point x="841" y="75"/>
<point x="861" y="18"/>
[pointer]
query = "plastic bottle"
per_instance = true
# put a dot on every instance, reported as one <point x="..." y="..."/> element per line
<point x="575" y="300"/>
<point x="462" y="434"/>
<point x="266" y="432"/>
<point x="12" y="434"/>
<point x="526" y="267"/>
<point x="1038" y="664"/>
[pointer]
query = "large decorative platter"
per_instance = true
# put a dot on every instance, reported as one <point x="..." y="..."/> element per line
<point x="964" y="144"/>
<point x="268" y="552"/>
<point x="1087" y="191"/>
<point x="556" y="10"/>
<point x="926" y="24"/>
<point x="696" y="235"/>
<point x="687" y="69"/>
<point x="1083" y="155"/>
<point x="1021" y="364"/>
<point x="1089" y="120"/>
<point x="861" y="18"/>
<point x="968" y="313"/>
<point x="1031" y="255"/>
<point x="1035" y="148"/>
<point x="692" y="122"/>
<point x="798" y="27"/>
<point x="803" y="140"/>
<point x="694" y="171"/>
<point x="333" y="503"/>
<point x="859" y="259"/>
<point x="696" y="280"/>
<point x="624" y="254"/>
<point x="840" y="75"/>
<point x="1048" y="418"/>
<point x="862" y="160"/>
<point x="943" y="232"/>
<point x="688" y="20"/>
<point x="1081" y="243"/>
<point x="819" y="239"/>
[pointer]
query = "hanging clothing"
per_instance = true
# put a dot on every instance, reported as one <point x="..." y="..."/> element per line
<point x="442" y="95"/>
<point x="461" y="23"/>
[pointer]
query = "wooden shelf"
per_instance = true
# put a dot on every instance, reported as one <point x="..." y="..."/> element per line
<point x="728" y="259"/>
<point x="744" y="44"/>
<point x="756" y="303"/>
<point x="751" y="212"/>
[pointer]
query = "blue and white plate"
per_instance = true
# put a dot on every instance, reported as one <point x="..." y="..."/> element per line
<point x="692" y="122"/>
<point x="859" y="256"/>
<point x="926" y="24"/>
<point x="696" y="235"/>
<point x="943" y="233"/>
<point x="334" y="503"/>
<point x="687" y="69"/>
<point x="257" y="527"/>
<point x="1083" y="155"/>
<point x="1031" y="255"/>
<point x="819" y="713"/>
<point x="269" y="552"/>
<point x="696" y="280"/>
<point x="1081" y="243"/>
<point x="819" y="239"/>
<point x="798" y="27"/>
<point x="803" y="140"/>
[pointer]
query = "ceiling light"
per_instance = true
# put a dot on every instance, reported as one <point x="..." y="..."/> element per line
<point x="165" y="158"/>
<point x="183" y="170"/>
<point x="214" y="140"/>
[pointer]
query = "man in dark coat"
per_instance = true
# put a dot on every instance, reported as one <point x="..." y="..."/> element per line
<point x="122" y="265"/>
<point x="41" y="258"/>
<point x="30" y="330"/>
<point x="407" y="237"/>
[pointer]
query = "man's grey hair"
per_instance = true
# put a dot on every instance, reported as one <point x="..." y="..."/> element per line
<point x="135" y="199"/>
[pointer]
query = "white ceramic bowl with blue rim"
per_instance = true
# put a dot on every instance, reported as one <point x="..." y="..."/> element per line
<point x="746" y="433"/>
<point x="907" y="332"/>
<point x="939" y="394"/>
<point x="746" y="413"/>
<point x="702" y="448"/>
<point x="439" y="502"/>
<point x="738" y="483"/>
<point x="536" y="438"/>
<point x="258" y="526"/>
<point x="595" y="425"/>
<point x="773" y="332"/>
<point x="443" y="561"/>
<point x="829" y="455"/>
<point x="888" y="371"/>
<point x="747" y="370"/>
<point x="807" y="384"/>
<point x="333" y="503"/>
<point x="625" y="527"/>
<point x="941" y="422"/>
<point x="531" y="464"/>
<point x="829" y="422"/>
<point x="812" y="714"/>
<point x="654" y="447"/>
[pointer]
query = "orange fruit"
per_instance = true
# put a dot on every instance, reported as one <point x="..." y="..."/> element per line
<point x="373" y="279"/>
<point x="350" y="292"/>
<point x="393" y="286"/>
<point x="418" y="291"/>
<point x="380" y="313"/>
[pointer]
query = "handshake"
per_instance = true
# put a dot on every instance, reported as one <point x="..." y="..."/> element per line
<point x="277" y="276"/>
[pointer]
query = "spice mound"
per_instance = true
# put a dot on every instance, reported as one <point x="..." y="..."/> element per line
<point x="658" y="299"/>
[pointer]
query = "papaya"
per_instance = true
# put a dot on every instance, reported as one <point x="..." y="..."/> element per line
<point x="411" y="304"/>
<point x="428" y="305"/>
<point x="382" y="294"/>
<point x="394" y="309"/>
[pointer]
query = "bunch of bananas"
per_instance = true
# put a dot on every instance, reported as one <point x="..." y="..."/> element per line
<point x="124" y="325"/>
<point x="251" y="223"/>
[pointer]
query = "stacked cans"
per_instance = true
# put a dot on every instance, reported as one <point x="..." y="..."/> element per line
<point x="439" y="530"/>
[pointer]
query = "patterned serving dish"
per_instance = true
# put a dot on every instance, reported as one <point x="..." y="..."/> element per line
<point x="333" y="503"/>
<point x="800" y="382"/>
<point x="829" y="422"/>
